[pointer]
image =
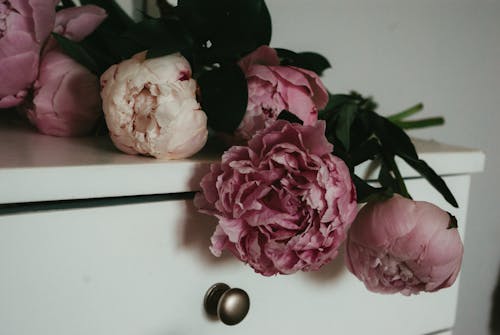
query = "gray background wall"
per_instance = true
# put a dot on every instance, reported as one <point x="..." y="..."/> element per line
<point x="445" y="53"/>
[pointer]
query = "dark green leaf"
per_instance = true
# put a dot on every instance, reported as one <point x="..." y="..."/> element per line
<point x="346" y="116"/>
<point x="147" y="33"/>
<point x="224" y="97"/>
<point x="286" y="56"/>
<point x="453" y="222"/>
<point x="393" y="138"/>
<point x="166" y="9"/>
<point x="103" y="59"/>
<point x="68" y="4"/>
<point x="314" y="62"/>
<point x="160" y="36"/>
<point x="434" y="179"/>
<point x="306" y="60"/>
<point x="366" y="192"/>
<point x="290" y="117"/>
<point x="367" y="151"/>
<point x="336" y="100"/>
<point x="399" y="185"/>
<point x="160" y="50"/>
<point x="386" y="179"/>
<point x="77" y="52"/>
<point x="429" y="122"/>
<point x="225" y="30"/>
<point x="264" y="26"/>
<point x="118" y="20"/>
<point x="390" y="178"/>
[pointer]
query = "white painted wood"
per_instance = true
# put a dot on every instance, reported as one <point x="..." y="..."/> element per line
<point x="34" y="167"/>
<point x="144" y="268"/>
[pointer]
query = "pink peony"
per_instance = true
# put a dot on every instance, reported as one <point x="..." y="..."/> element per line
<point x="405" y="246"/>
<point x="273" y="88"/>
<point x="151" y="109"/>
<point x="66" y="99"/>
<point x="284" y="202"/>
<point x="24" y="27"/>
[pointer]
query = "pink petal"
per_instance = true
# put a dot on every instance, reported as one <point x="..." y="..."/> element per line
<point x="76" y="23"/>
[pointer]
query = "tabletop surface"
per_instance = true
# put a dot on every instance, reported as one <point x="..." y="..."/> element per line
<point x="36" y="167"/>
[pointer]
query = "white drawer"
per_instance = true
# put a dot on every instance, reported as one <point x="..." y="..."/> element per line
<point x="143" y="268"/>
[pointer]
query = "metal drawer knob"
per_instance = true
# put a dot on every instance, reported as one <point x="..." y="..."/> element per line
<point x="230" y="305"/>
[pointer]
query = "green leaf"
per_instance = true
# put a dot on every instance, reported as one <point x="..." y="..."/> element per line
<point x="406" y="113"/>
<point x="118" y="20"/>
<point x="147" y="33"/>
<point x="385" y="178"/>
<point x="77" y="52"/>
<point x="226" y="30"/>
<point x="263" y="26"/>
<point x="314" y="62"/>
<point x="365" y="192"/>
<point x="429" y="122"/>
<point x="392" y="137"/>
<point x="453" y="222"/>
<point x="307" y="60"/>
<point x="224" y="97"/>
<point x="432" y="177"/>
<point x="390" y="169"/>
<point x="161" y="50"/>
<point x="336" y="100"/>
<point x="160" y="36"/>
<point x="166" y="9"/>
<point x="67" y="4"/>
<point x="366" y="151"/>
<point x="345" y="118"/>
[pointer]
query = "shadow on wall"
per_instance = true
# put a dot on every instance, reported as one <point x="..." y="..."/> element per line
<point x="495" y="309"/>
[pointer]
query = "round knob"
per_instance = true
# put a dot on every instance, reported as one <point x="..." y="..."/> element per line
<point x="230" y="305"/>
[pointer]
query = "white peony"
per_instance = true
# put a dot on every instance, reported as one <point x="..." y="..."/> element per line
<point x="151" y="109"/>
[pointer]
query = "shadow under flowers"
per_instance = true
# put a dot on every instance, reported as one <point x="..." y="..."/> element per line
<point x="495" y="309"/>
<point x="331" y="271"/>
<point x="196" y="229"/>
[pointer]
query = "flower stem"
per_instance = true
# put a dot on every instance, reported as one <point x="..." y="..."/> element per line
<point x="406" y="113"/>
<point x="430" y="122"/>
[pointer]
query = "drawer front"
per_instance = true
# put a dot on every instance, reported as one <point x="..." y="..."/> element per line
<point x="144" y="268"/>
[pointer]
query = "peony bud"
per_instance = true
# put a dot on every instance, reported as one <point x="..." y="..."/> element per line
<point x="273" y="88"/>
<point x="66" y="98"/>
<point x="405" y="246"/>
<point x="24" y="27"/>
<point x="151" y="109"/>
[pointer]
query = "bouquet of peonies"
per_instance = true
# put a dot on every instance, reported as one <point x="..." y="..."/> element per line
<point x="285" y="193"/>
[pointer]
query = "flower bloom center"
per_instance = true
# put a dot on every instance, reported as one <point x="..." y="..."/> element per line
<point x="5" y="9"/>
<point x="395" y="272"/>
<point x="144" y="106"/>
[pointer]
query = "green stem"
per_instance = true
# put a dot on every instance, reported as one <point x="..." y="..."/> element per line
<point x="406" y="113"/>
<point x="430" y="122"/>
